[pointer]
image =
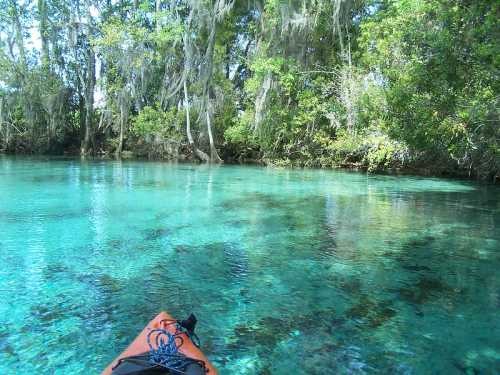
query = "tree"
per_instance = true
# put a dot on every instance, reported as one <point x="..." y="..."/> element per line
<point x="438" y="63"/>
<point x="368" y="83"/>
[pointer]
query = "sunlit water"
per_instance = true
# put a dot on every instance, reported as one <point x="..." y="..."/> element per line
<point x="288" y="271"/>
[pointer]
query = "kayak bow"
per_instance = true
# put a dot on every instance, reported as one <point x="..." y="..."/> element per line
<point x="137" y="355"/>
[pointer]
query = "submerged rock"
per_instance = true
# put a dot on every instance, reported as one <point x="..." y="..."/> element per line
<point x="51" y="179"/>
<point x="54" y="271"/>
<point x="154" y="233"/>
<point x="181" y="249"/>
<point x="47" y="313"/>
<point x="152" y="184"/>
<point x="424" y="290"/>
<point x="415" y="267"/>
<point x="108" y="284"/>
<point x="5" y="347"/>
<point x="373" y="313"/>
<point x="422" y="241"/>
<point x="115" y="244"/>
<point x="270" y="330"/>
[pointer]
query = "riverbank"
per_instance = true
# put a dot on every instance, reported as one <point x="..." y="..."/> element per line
<point x="387" y="163"/>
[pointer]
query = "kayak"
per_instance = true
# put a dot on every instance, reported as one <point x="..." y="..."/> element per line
<point x="165" y="346"/>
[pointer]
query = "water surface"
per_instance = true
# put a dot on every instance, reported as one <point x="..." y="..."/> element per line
<point x="288" y="271"/>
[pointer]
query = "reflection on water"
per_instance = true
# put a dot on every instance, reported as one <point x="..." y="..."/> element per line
<point x="288" y="271"/>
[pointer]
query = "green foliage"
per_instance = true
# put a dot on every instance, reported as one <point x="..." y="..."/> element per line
<point x="439" y="62"/>
<point x="376" y="84"/>
<point x="151" y="121"/>
<point x="370" y="150"/>
<point x="241" y="134"/>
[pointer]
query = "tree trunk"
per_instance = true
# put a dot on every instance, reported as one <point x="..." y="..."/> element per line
<point x="260" y="100"/>
<point x="207" y="80"/>
<point x="19" y="35"/>
<point x="188" y="122"/>
<point x="214" y="156"/>
<point x="199" y="154"/>
<point x="89" y="101"/>
<point x="157" y="10"/>
<point x="228" y="61"/>
<point x="49" y="132"/>
<point x="1" y="119"/>
<point x="90" y="81"/>
<point x="7" y="127"/>
<point x="123" y="119"/>
<point x="81" y="110"/>
<point x="42" y="10"/>
<point x="349" y="97"/>
<point x="7" y="137"/>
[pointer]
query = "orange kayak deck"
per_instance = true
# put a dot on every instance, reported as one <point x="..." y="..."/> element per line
<point x="140" y="344"/>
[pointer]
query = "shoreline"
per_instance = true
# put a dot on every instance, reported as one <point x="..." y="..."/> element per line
<point x="346" y="167"/>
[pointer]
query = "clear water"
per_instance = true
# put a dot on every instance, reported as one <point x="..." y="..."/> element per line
<point x="288" y="271"/>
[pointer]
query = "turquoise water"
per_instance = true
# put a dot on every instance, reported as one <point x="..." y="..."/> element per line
<point x="288" y="271"/>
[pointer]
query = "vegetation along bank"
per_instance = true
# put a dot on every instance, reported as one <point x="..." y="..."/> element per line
<point x="410" y="84"/>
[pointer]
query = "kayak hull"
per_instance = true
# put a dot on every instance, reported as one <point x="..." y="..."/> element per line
<point x="140" y="344"/>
